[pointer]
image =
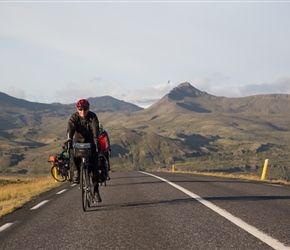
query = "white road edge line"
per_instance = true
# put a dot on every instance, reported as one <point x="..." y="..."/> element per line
<point x="39" y="205"/>
<point x="5" y="226"/>
<point x="240" y="223"/>
<point x="61" y="191"/>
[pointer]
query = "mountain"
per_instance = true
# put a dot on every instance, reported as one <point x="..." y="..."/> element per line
<point x="97" y="104"/>
<point x="182" y="98"/>
<point x="110" y="104"/>
<point x="185" y="97"/>
<point x="12" y="103"/>
<point x="187" y="127"/>
<point x="17" y="113"/>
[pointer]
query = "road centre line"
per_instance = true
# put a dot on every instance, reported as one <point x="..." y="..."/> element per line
<point x="61" y="191"/>
<point x="5" y="226"/>
<point x="240" y="223"/>
<point x="39" y="205"/>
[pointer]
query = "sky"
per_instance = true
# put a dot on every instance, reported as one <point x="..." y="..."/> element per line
<point x="138" y="51"/>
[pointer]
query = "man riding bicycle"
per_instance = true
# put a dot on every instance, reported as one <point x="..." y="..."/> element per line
<point x="83" y="127"/>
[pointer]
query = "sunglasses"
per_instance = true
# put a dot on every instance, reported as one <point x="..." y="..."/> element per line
<point x="82" y="109"/>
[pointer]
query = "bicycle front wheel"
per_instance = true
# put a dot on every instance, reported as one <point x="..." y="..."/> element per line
<point x="85" y="186"/>
<point x="58" y="174"/>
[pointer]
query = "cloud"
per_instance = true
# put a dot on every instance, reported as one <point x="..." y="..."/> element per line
<point x="219" y="85"/>
<point x="113" y="49"/>
<point x="17" y="93"/>
<point x="95" y="87"/>
<point x="216" y="84"/>
<point x="145" y="96"/>
<point x="281" y="86"/>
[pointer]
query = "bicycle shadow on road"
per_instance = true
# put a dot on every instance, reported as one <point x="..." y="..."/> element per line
<point x="174" y="202"/>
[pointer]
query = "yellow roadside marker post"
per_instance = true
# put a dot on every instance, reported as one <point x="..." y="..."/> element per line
<point x="264" y="169"/>
<point x="54" y="174"/>
<point x="172" y="168"/>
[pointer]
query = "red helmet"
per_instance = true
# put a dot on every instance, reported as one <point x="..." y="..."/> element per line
<point x="82" y="103"/>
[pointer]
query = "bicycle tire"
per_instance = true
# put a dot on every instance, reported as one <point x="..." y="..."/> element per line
<point x="91" y="192"/>
<point x="85" y="187"/>
<point x="59" y="176"/>
<point x="107" y="173"/>
<point x="103" y="168"/>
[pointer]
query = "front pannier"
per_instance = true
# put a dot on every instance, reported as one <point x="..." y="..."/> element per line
<point x="82" y="150"/>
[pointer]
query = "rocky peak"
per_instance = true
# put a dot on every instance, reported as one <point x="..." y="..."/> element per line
<point x="185" y="90"/>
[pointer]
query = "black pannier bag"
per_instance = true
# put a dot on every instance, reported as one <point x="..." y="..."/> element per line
<point x="82" y="150"/>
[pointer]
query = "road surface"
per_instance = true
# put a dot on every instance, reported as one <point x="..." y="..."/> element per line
<point x="155" y="211"/>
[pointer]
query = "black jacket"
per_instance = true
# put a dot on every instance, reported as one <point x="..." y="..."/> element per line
<point x="83" y="129"/>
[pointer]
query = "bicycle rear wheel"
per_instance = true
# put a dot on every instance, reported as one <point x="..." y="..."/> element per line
<point x="59" y="174"/>
<point x="107" y="173"/>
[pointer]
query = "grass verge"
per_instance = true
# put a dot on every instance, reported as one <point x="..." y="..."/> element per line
<point x="15" y="192"/>
<point x="237" y="176"/>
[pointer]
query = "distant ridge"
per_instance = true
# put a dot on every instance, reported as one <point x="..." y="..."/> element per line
<point x="185" y="97"/>
<point x="98" y="104"/>
<point x="111" y="104"/>
<point x="9" y="101"/>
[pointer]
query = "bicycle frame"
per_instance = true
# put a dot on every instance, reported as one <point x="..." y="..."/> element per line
<point x="83" y="151"/>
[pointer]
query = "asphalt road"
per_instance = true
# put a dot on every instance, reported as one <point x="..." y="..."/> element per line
<point x="155" y="211"/>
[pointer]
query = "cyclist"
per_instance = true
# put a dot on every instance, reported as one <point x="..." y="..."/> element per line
<point x="105" y="145"/>
<point x="83" y="127"/>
